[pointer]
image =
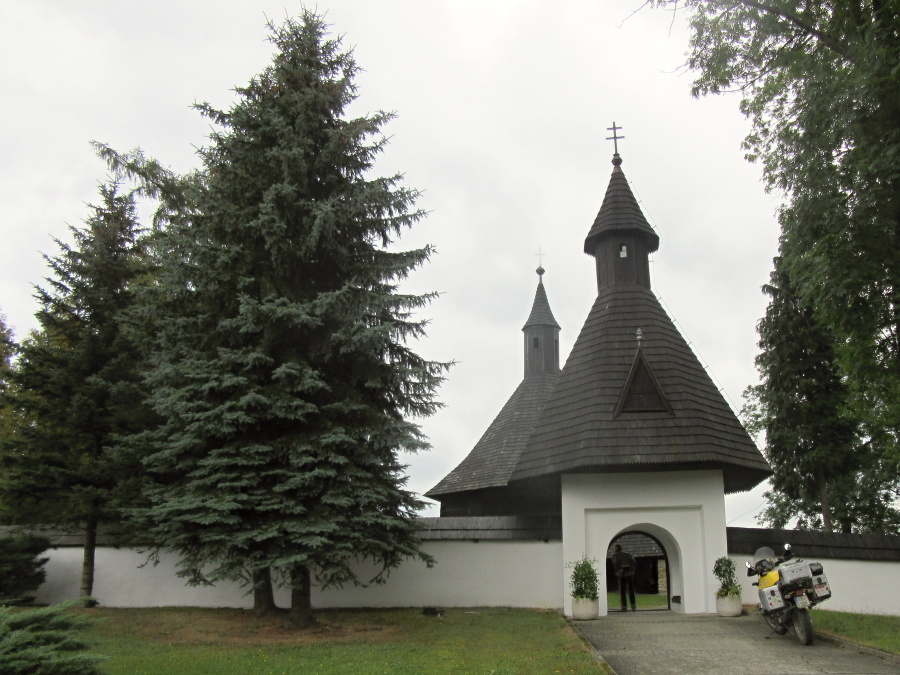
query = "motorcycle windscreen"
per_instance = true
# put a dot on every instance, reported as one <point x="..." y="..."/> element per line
<point x="764" y="553"/>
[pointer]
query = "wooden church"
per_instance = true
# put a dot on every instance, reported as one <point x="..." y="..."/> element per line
<point x="630" y="436"/>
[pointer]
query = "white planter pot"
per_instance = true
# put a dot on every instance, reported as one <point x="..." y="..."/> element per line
<point x="729" y="606"/>
<point x="585" y="610"/>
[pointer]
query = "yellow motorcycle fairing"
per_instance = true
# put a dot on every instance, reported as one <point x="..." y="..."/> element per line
<point x="769" y="579"/>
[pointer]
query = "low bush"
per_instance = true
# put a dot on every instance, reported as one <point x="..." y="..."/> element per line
<point x="42" y="641"/>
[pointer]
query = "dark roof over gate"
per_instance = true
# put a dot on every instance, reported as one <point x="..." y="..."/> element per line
<point x="579" y="430"/>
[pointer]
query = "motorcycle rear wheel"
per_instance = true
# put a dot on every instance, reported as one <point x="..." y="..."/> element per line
<point x="803" y="626"/>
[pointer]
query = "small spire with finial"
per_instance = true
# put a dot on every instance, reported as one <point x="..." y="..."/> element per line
<point x="640" y="336"/>
<point x="617" y="161"/>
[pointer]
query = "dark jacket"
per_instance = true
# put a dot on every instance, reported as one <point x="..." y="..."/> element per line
<point x="623" y="562"/>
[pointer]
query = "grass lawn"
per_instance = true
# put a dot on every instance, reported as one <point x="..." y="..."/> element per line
<point x="873" y="630"/>
<point x="191" y="641"/>
<point x="644" y="601"/>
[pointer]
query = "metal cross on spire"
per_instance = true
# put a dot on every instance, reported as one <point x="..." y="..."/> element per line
<point x="540" y="267"/>
<point x="615" y="137"/>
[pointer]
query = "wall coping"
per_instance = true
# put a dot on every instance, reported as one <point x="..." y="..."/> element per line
<point x="838" y="545"/>
<point x="741" y="540"/>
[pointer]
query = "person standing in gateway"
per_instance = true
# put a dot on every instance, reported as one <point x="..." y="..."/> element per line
<point x="624" y="565"/>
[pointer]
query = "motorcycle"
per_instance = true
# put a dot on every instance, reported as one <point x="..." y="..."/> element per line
<point x="788" y="589"/>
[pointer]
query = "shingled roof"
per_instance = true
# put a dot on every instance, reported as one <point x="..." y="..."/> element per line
<point x="579" y="430"/>
<point x="619" y="212"/>
<point x="745" y="540"/>
<point x="632" y="395"/>
<point x="540" y="309"/>
<point x="494" y="457"/>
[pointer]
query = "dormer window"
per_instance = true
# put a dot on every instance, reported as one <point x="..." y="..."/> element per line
<point x="623" y="251"/>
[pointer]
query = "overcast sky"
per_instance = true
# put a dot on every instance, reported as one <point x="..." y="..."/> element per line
<point x="503" y="108"/>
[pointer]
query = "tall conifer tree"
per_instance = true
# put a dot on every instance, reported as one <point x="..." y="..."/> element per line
<point x="7" y="351"/>
<point x="826" y="477"/>
<point x="76" y="390"/>
<point x="284" y="373"/>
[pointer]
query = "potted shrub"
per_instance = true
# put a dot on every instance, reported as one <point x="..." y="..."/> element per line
<point x="584" y="582"/>
<point x="728" y="597"/>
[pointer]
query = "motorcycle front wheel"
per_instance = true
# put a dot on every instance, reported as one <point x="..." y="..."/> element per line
<point x="803" y="626"/>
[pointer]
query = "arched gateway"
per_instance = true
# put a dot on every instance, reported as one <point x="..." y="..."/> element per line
<point x="631" y="434"/>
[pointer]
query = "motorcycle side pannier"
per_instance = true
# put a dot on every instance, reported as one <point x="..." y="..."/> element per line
<point x="793" y="573"/>
<point x="822" y="589"/>
<point x="770" y="598"/>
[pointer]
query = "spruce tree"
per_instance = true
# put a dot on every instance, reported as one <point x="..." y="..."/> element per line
<point x="44" y="640"/>
<point x="284" y="373"/>
<point x="76" y="391"/>
<point x="7" y="352"/>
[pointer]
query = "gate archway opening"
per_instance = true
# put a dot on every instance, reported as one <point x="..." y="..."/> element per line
<point x="652" y="575"/>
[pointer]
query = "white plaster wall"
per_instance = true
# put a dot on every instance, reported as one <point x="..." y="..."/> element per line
<point x="685" y="510"/>
<point x="862" y="586"/>
<point x="467" y="574"/>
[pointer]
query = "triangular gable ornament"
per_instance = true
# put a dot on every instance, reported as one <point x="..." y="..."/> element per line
<point x="642" y="392"/>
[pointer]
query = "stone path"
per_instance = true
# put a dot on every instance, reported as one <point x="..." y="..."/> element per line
<point x="644" y="642"/>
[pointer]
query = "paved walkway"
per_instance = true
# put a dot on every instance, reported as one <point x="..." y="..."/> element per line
<point x="644" y="642"/>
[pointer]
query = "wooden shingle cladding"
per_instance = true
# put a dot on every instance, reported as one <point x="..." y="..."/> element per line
<point x="579" y="432"/>
<point x="516" y="528"/>
<point x="620" y="213"/>
<point x="478" y="485"/>
<point x="496" y="454"/>
<point x="540" y="496"/>
<point x="741" y="540"/>
<point x="746" y="540"/>
<point x="638" y="545"/>
<point x="541" y="314"/>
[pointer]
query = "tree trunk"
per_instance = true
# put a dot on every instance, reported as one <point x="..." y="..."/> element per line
<point x="87" y="565"/>
<point x="823" y="499"/>
<point x="263" y="597"/>
<point x="301" y="614"/>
